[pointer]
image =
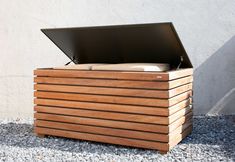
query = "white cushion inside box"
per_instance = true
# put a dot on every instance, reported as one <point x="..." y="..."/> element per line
<point x="77" y="66"/>
<point x="132" y="67"/>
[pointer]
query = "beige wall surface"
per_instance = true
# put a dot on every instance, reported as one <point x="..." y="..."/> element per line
<point x="206" y="28"/>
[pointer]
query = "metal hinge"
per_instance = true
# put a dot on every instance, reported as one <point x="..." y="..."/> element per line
<point x="70" y="61"/>
<point x="181" y="60"/>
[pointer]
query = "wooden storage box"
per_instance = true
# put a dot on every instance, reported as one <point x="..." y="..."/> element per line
<point x="141" y="109"/>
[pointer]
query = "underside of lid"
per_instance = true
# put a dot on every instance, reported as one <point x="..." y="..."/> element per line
<point x="140" y="43"/>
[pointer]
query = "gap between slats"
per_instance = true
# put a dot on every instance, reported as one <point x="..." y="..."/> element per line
<point x="115" y="132"/>
<point x="150" y="127"/>
<point x="114" y="116"/>
<point x="159" y="85"/>
<point x="114" y="107"/>
<point x="114" y="99"/>
<point x="114" y="91"/>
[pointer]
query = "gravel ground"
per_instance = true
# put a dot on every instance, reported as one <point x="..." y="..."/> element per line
<point x="212" y="139"/>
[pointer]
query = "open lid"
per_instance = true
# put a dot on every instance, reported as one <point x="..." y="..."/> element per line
<point x="140" y="43"/>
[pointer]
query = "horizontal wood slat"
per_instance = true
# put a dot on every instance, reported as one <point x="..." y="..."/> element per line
<point x="179" y="98"/>
<point x="179" y="114"/>
<point x="104" y="131"/>
<point x="176" y="91"/>
<point x="180" y="73"/>
<point x="115" y="91"/>
<point x="151" y="76"/>
<point x="113" y="116"/>
<point x="179" y="130"/>
<point x="115" y="83"/>
<point x="180" y="81"/>
<point x="114" y="107"/>
<point x="180" y="121"/>
<point x="103" y="138"/>
<point x="103" y="122"/>
<point x="114" y="99"/>
<point x="114" y="124"/>
<point x="103" y="115"/>
<point x="105" y="107"/>
<point x="113" y="131"/>
<point x="173" y="109"/>
<point x="179" y="137"/>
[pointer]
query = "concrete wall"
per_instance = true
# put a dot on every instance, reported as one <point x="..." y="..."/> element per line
<point x="206" y="28"/>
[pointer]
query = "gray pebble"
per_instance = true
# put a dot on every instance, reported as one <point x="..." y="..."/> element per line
<point x="212" y="139"/>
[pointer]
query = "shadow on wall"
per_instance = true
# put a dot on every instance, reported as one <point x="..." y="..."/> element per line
<point x="214" y="88"/>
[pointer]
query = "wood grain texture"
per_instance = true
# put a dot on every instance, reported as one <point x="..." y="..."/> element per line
<point x="115" y="83"/>
<point x="180" y="81"/>
<point x="179" y="130"/>
<point x="179" y="114"/>
<point x="179" y="90"/>
<point x="141" y="109"/>
<point x="180" y="137"/>
<point x="114" y="99"/>
<point x="114" y="116"/>
<point x="113" y="131"/>
<point x="161" y="146"/>
<point x="104" y="131"/>
<point x="150" y="76"/>
<point x="107" y="107"/>
<point x="180" y="121"/>
<point x="176" y="99"/>
<point x="114" y="107"/>
<point x="103" y="138"/>
<point x="105" y="115"/>
<point x="115" y="91"/>
<point x="180" y="73"/>
<point x="182" y="104"/>
<point x="103" y="122"/>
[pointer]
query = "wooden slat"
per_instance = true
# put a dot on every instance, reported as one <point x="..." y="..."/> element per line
<point x="180" y="121"/>
<point x="151" y="76"/>
<point x="176" y="91"/>
<point x="179" y="114"/>
<point x="114" y="99"/>
<point x="104" y="131"/>
<point x="180" y="81"/>
<point x="102" y="74"/>
<point x="179" y="137"/>
<point x="103" y="122"/>
<point x="113" y="131"/>
<point x="107" y="107"/>
<point x="103" y="115"/>
<point x="114" y="91"/>
<point x="114" y="107"/>
<point x="173" y="109"/>
<point x="180" y="73"/>
<point x="179" y="130"/>
<point x="103" y="138"/>
<point x="114" y="116"/>
<point x="115" y="83"/>
<point x="102" y="98"/>
<point x="179" y="98"/>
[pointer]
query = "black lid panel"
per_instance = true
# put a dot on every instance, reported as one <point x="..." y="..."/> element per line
<point x="141" y="43"/>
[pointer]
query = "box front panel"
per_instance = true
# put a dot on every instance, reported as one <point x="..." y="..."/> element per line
<point x="143" y="109"/>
